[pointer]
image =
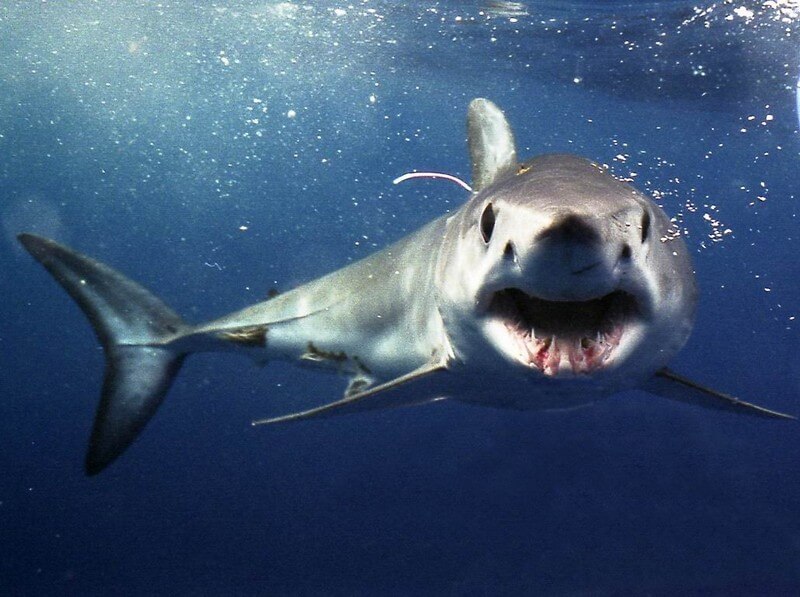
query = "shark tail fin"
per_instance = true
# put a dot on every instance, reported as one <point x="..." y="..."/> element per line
<point x="135" y="329"/>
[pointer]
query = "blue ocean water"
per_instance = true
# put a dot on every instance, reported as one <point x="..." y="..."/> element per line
<point x="214" y="151"/>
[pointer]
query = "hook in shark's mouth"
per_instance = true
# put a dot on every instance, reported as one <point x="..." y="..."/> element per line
<point x="550" y="335"/>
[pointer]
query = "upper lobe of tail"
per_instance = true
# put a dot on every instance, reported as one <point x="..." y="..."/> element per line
<point x="135" y="329"/>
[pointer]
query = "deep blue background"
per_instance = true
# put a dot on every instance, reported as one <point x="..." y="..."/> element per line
<point x="147" y="134"/>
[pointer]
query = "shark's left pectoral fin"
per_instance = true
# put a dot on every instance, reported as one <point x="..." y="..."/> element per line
<point x="670" y="385"/>
<point x="380" y="397"/>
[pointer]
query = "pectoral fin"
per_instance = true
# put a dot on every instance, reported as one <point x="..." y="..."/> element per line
<point x="380" y="397"/>
<point x="668" y="384"/>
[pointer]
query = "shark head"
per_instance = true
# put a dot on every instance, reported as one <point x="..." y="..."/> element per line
<point x="556" y="268"/>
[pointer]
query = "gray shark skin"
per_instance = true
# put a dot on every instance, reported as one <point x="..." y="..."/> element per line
<point x="553" y="286"/>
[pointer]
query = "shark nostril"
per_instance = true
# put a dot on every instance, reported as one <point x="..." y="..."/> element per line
<point x="625" y="254"/>
<point x="508" y="252"/>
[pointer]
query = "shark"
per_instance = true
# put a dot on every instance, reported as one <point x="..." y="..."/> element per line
<point x="555" y="285"/>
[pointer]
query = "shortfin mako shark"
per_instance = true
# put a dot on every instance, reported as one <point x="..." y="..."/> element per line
<point x="554" y="285"/>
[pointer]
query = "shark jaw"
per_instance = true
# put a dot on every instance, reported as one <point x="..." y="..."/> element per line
<point x="564" y="338"/>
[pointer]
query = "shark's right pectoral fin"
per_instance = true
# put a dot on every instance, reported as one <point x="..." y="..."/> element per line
<point x="380" y="397"/>
<point x="667" y="384"/>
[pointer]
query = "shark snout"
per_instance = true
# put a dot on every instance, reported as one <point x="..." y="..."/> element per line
<point x="586" y="268"/>
<point x="573" y="240"/>
<point x="570" y="260"/>
<point x="571" y="229"/>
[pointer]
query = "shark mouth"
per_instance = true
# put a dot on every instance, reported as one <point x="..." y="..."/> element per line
<point x="577" y="337"/>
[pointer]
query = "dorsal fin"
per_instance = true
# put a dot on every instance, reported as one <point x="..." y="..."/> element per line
<point x="491" y="143"/>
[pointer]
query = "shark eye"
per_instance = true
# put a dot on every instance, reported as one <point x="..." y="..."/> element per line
<point x="645" y="225"/>
<point x="487" y="223"/>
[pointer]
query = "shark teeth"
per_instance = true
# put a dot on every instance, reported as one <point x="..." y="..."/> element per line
<point x="551" y="354"/>
<point x="563" y="337"/>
